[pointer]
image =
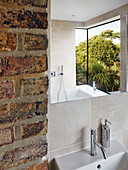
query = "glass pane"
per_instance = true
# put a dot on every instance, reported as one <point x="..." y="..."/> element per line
<point x="104" y="56"/>
<point x="81" y="56"/>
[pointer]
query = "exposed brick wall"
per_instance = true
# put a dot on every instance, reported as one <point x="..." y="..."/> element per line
<point x="35" y="42"/>
<point x="38" y="3"/>
<point x="7" y="90"/>
<point x="8" y="41"/>
<point x="35" y="86"/>
<point x="24" y="154"/>
<point x="23" y="84"/>
<point x="41" y="166"/>
<point x="10" y="66"/>
<point x="35" y="129"/>
<point x="23" y="19"/>
<point x="7" y="136"/>
<point x="13" y="112"/>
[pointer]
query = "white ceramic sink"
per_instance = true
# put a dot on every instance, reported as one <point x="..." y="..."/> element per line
<point x="115" y="162"/>
<point x="81" y="160"/>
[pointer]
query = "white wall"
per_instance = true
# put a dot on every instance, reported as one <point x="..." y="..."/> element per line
<point x="63" y="53"/>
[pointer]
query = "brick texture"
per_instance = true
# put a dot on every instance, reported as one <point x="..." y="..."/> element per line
<point x="24" y="154"/>
<point x="42" y="3"/>
<point x="8" y="41"/>
<point x="6" y="90"/>
<point x="6" y="136"/>
<point x="23" y="83"/>
<point x="10" y="66"/>
<point x="42" y="166"/>
<point x="35" y="42"/>
<point x="36" y="3"/>
<point x="9" y="1"/>
<point x="23" y="19"/>
<point x="18" y="111"/>
<point x="35" y="129"/>
<point x="4" y="110"/>
<point x="35" y="86"/>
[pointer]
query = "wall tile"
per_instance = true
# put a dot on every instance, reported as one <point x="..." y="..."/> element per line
<point x="125" y="138"/>
<point x="114" y="108"/>
<point x="70" y="123"/>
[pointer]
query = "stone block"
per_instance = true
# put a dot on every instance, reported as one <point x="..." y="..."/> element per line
<point x="6" y="136"/>
<point x="42" y="166"/>
<point x="35" y="42"/>
<point x="8" y="41"/>
<point x="7" y="90"/>
<point x="42" y="3"/>
<point x="19" y="111"/>
<point x="23" y="19"/>
<point x="35" y="86"/>
<point x="35" y="129"/>
<point x="24" y="154"/>
<point x="10" y="66"/>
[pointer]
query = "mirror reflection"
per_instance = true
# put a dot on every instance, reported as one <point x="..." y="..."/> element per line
<point x="85" y="57"/>
<point x="98" y="56"/>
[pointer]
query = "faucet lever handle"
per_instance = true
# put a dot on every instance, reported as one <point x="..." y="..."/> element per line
<point x="106" y="121"/>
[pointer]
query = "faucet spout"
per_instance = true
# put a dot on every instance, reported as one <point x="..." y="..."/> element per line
<point x="102" y="149"/>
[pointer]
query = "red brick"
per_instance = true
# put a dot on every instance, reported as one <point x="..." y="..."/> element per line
<point x="6" y="90"/>
<point x="8" y="41"/>
<point x="36" y="3"/>
<point x="35" y="129"/>
<point x="6" y="136"/>
<point x="35" y="42"/>
<point x="16" y="111"/>
<point x="35" y="86"/>
<point x="10" y="66"/>
<point x="23" y="19"/>
<point x="42" y="166"/>
<point x="20" y="111"/>
<point x="9" y="1"/>
<point x="4" y="110"/>
<point x="24" y="154"/>
<point x="41" y="3"/>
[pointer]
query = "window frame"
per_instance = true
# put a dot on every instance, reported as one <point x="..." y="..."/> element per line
<point x="87" y="38"/>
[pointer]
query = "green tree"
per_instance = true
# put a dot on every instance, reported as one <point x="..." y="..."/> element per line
<point x="104" y="64"/>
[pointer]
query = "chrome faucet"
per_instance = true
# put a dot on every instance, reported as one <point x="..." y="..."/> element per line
<point x="94" y="143"/>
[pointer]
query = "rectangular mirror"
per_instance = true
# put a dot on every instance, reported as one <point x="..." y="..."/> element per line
<point x="88" y="57"/>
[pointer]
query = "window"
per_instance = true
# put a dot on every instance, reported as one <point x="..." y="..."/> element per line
<point x="98" y="56"/>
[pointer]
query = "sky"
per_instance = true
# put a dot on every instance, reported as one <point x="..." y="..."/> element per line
<point x="82" y="36"/>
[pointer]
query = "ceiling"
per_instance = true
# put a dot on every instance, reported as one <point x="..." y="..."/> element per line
<point x="82" y="10"/>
